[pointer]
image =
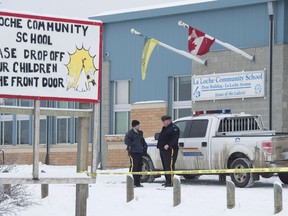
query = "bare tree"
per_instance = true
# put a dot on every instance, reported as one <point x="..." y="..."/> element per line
<point x="15" y="197"/>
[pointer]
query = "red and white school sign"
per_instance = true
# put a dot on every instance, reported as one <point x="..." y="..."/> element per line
<point x="49" y="58"/>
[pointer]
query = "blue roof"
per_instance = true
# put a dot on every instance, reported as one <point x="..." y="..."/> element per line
<point x="138" y="13"/>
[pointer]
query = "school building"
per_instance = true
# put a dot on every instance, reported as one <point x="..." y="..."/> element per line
<point x="174" y="84"/>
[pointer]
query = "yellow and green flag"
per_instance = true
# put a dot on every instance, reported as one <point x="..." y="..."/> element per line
<point x="147" y="51"/>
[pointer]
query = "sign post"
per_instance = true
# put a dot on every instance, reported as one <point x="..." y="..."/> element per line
<point x="36" y="139"/>
<point x="82" y="162"/>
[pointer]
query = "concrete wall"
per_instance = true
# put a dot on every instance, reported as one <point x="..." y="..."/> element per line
<point x="285" y="88"/>
<point x="105" y="111"/>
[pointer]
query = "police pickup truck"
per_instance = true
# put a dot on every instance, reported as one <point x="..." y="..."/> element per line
<point x="224" y="141"/>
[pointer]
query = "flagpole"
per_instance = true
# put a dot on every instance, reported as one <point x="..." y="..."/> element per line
<point x="180" y="52"/>
<point x="226" y="45"/>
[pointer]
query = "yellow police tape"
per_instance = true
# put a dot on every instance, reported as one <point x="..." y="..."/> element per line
<point x="201" y="172"/>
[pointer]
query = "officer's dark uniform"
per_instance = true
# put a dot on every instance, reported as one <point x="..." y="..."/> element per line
<point x="168" y="135"/>
<point x="136" y="146"/>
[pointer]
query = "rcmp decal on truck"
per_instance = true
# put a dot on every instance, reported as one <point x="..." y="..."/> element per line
<point x="191" y="152"/>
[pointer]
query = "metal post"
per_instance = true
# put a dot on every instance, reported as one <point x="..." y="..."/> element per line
<point x="82" y="162"/>
<point x="36" y="136"/>
<point x="271" y="43"/>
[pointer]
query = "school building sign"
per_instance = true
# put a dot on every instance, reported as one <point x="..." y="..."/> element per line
<point x="49" y="58"/>
<point x="228" y="86"/>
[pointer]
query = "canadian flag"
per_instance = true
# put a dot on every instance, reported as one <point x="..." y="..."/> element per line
<point x="199" y="43"/>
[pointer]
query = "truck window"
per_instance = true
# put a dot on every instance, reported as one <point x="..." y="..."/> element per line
<point x="181" y="125"/>
<point x="198" y="128"/>
<point x="238" y="124"/>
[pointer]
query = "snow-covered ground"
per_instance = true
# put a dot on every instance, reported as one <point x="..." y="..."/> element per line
<point x="205" y="197"/>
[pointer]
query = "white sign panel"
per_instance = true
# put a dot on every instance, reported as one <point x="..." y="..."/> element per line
<point x="228" y="86"/>
<point x="49" y="58"/>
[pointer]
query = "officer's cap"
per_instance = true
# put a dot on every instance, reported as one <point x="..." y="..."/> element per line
<point x="165" y="117"/>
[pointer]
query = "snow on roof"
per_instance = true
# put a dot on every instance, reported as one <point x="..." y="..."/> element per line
<point x="48" y="15"/>
<point x="165" y="5"/>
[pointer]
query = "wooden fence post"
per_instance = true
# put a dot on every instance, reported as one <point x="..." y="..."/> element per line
<point x="176" y="191"/>
<point x="7" y="189"/>
<point x="44" y="190"/>
<point x="129" y="188"/>
<point x="278" y="201"/>
<point x="36" y="139"/>
<point x="82" y="161"/>
<point x="230" y="194"/>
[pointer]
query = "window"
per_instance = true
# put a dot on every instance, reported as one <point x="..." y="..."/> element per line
<point x="25" y="103"/>
<point x="122" y="106"/>
<point x="18" y="129"/>
<point x="198" y="128"/>
<point x="182" y="88"/>
<point x="43" y="131"/>
<point x="62" y="124"/>
<point x="179" y="113"/>
<point x="182" y="105"/>
<point x="181" y="125"/>
<point x="238" y="124"/>
<point x="62" y="130"/>
<point x="121" y="92"/>
<point x="6" y="124"/>
<point x="6" y="132"/>
<point x="23" y="131"/>
<point x="121" y="117"/>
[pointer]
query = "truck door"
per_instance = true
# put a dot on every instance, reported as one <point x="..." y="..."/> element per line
<point x="182" y="125"/>
<point x="194" y="145"/>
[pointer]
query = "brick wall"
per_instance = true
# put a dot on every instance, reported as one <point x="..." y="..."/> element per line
<point x="149" y="115"/>
<point x="117" y="153"/>
<point x="65" y="154"/>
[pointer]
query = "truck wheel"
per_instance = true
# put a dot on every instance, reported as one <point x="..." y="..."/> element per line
<point x="241" y="179"/>
<point x="283" y="176"/>
<point x="191" y="177"/>
<point x="147" y="166"/>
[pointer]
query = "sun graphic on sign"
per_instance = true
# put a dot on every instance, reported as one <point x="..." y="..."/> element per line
<point x="81" y="71"/>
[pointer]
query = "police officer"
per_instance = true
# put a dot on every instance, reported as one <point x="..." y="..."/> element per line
<point x="168" y="146"/>
<point x="136" y="147"/>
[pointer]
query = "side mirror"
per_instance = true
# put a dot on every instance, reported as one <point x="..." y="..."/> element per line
<point x="156" y="136"/>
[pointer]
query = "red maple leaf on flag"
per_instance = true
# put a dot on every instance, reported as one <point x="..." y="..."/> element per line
<point x="191" y="45"/>
<point x="198" y="42"/>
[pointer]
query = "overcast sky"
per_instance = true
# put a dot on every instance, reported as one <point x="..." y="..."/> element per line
<point x="80" y="8"/>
